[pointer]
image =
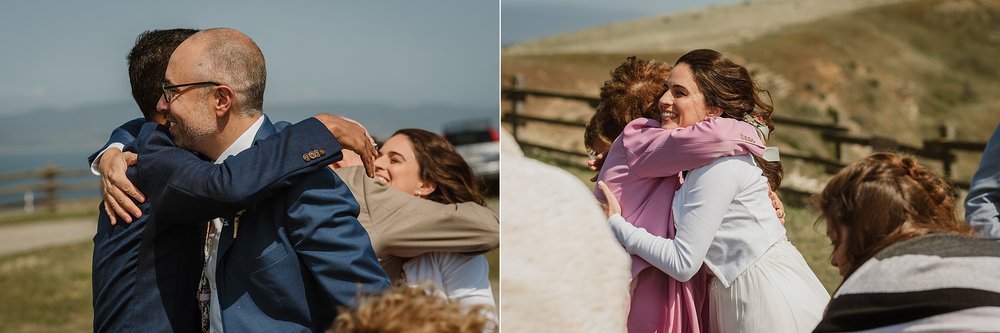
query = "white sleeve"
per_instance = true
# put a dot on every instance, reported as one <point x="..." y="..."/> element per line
<point x="466" y="280"/>
<point x="706" y="196"/>
<point x="93" y="166"/>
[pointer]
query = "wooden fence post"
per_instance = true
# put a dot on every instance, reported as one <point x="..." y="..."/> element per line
<point x="50" y="174"/>
<point x="518" y="104"/>
<point x="947" y="134"/>
<point x="838" y="153"/>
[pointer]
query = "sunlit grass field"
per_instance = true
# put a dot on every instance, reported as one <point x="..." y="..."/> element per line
<point x="49" y="290"/>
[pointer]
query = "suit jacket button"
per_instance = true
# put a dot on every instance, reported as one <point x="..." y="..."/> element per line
<point x="305" y="157"/>
<point x="322" y="152"/>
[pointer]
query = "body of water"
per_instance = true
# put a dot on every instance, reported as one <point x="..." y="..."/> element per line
<point x="13" y="162"/>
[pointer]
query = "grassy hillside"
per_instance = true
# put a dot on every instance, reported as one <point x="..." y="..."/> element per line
<point x="900" y="70"/>
<point x="710" y="27"/>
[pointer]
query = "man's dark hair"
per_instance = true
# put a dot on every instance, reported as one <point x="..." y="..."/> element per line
<point x="147" y="64"/>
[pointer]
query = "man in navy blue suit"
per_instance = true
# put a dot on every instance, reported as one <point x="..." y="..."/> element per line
<point x="286" y="262"/>
<point x="146" y="273"/>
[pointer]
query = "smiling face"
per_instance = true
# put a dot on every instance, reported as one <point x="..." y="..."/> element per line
<point x="398" y="167"/>
<point x="683" y="102"/>
<point x="189" y="114"/>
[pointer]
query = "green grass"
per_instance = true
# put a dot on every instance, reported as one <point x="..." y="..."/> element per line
<point x="47" y="290"/>
<point x="812" y="243"/>
<point x="84" y="208"/>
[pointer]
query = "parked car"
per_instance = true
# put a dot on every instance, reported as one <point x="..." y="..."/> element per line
<point x="479" y="144"/>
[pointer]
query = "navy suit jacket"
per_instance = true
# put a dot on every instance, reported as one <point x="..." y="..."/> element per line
<point x="145" y="274"/>
<point x="291" y="259"/>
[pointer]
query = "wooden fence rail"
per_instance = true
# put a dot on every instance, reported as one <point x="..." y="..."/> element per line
<point x="941" y="149"/>
<point x="51" y="180"/>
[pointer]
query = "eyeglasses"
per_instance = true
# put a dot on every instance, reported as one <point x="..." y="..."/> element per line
<point x="170" y="92"/>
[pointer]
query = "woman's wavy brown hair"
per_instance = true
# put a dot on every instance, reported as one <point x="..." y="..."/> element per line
<point x="729" y="87"/>
<point x="631" y="93"/>
<point x="441" y="164"/>
<point x="884" y="199"/>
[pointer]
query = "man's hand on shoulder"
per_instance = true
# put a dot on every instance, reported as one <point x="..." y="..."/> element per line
<point x="117" y="190"/>
<point x="350" y="159"/>
<point x="354" y="137"/>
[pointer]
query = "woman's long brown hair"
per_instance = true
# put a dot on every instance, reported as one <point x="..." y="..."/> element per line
<point x="884" y="199"/>
<point x="441" y="164"/>
<point x="728" y="86"/>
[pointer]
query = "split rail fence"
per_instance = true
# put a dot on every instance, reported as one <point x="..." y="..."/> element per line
<point x="942" y="149"/>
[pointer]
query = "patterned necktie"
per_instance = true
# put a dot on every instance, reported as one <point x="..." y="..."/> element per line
<point x="204" y="290"/>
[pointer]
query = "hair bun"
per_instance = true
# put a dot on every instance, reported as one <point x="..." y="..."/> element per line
<point x="938" y="190"/>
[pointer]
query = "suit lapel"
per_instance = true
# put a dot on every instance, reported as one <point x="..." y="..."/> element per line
<point x="228" y="230"/>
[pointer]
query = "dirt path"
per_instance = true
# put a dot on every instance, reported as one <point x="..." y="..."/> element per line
<point x="36" y="235"/>
<point x="29" y="236"/>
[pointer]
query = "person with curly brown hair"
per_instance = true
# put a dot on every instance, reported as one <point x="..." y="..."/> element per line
<point x="908" y="263"/>
<point x="411" y="309"/>
<point x="630" y="94"/>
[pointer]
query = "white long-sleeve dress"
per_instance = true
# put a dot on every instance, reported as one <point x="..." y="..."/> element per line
<point x="725" y="220"/>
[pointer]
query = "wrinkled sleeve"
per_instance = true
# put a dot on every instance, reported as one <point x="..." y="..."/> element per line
<point x="183" y="187"/>
<point x="120" y="136"/>
<point x="408" y="226"/>
<point x="328" y="238"/>
<point x="982" y="205"/>
<point x="707" y="194"/>
<point x="656" y="152"/>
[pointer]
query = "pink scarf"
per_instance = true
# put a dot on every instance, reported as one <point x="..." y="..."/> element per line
<point x="642" y="170"/>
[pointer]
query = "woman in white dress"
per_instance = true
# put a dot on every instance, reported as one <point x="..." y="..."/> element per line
<point x="724" y="217"/>
<point x="424" y="164"/>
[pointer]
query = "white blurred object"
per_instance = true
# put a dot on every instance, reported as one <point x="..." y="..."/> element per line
<point x="562" y="269"/>
<point x="29" y="202"/>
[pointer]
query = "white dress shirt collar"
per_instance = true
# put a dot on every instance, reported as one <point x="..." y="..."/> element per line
<point x="243" y="142"/>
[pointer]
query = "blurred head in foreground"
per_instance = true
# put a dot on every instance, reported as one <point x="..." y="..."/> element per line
<point x="410" y="309"/>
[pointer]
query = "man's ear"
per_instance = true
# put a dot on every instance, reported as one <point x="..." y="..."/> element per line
<point x="224" y="96"/>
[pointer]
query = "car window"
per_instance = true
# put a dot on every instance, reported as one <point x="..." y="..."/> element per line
<point x="469" y="137"/>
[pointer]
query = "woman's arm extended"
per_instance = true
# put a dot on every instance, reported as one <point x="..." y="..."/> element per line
<point x="656" y="152"/>
<point x="709" y="192"/>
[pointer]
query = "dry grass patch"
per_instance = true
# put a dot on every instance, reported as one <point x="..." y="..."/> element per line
<point x="47" y="290"/>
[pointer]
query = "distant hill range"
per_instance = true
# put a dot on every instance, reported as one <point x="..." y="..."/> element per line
<point x="889" y="67"/>
<point x="711" y="27"/>
<point x="86" y="128"/>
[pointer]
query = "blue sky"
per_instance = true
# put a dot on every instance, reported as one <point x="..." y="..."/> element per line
<point x="63" y="54"/>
